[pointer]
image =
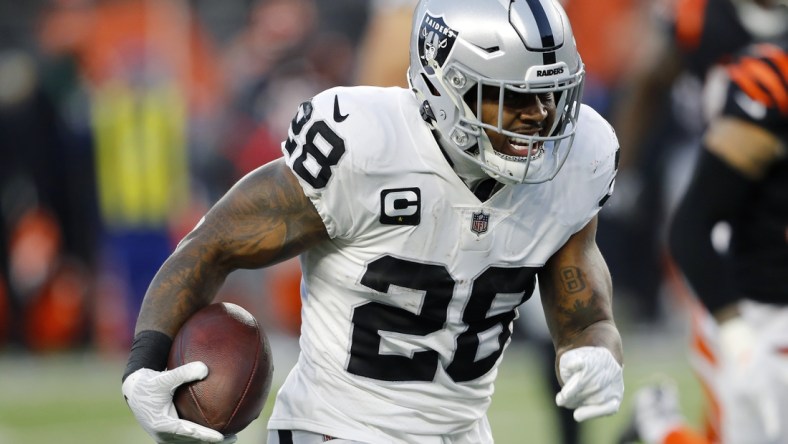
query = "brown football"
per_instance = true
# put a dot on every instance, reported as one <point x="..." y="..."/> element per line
<point x="228" y="339"/>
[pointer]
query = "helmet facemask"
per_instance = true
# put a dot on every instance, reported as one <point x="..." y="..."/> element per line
<point x="544" y="152"/>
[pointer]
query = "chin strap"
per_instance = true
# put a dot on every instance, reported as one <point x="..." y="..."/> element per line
<point x="426" y="113"/>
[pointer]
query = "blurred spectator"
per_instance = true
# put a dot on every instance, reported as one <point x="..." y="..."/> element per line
<point x="5" y="311"/>
<point x="283" y="55"/>
<point x="40" y="243"/>
<point x="271" y="45"/>
<point x="609" y="57"/>
<point x="150" y="79"/>
<point x="383" y="53"/>
<point x="52" y="285"/>
<point x="116" y="128"/>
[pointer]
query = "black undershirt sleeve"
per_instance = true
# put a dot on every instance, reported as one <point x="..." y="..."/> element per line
<point x="149" y="349"/>
<point x="717" y="192"/>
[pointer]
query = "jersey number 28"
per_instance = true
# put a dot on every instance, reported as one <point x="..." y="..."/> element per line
<point x="438" y="287"/>
<point x="313" y="164"/>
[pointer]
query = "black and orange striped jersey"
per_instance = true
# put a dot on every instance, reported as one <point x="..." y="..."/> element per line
<point x="758" y="91"/>
<point x="707" y="32"/>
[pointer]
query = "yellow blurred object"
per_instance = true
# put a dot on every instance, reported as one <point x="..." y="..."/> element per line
<point x="141" y="154"/>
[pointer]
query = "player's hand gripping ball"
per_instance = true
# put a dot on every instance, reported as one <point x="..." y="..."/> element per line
<point x="228" y="339"/>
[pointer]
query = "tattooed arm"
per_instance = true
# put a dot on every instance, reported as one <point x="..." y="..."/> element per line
<point x="264" y="219"/>
<point x="577" y="298"/>
<point x="577" y="295"/>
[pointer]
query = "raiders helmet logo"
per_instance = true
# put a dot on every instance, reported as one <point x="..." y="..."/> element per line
<point x="435" y="42"/>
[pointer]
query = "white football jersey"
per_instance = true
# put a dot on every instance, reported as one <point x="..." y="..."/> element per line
<point x="408" y="309"/>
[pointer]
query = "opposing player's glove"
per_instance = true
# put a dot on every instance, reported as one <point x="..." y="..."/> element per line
<point x="593" y="382"/>
<point x="149" y="395"/>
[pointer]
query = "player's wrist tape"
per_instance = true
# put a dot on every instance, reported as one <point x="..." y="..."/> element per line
<point x="149" y="349"/>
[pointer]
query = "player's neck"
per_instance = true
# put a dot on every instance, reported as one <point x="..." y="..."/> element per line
<point x="467" y="170"/>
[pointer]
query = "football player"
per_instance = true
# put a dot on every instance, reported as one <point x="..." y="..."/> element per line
<point x="422" y="218"/>
<point x="659" y="121"/>
<point x="740" y="325"/>
<point x="383" y="60"/>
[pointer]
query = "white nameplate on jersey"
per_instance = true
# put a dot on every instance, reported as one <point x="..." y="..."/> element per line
<point x="400" y="206"/>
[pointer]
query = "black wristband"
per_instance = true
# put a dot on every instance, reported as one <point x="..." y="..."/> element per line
<point x="149" y="349"/>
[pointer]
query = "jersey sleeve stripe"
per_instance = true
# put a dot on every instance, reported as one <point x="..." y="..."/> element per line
<point x="777" y="56"/>
<point x="749" y="85"/>
<point x="769" y="79"/>
<point x="689" y="22"/>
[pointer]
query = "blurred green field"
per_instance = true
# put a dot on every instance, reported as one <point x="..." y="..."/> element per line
<point x="75" y="398"/>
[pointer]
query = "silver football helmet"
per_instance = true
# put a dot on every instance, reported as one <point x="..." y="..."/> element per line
<point x="459" y="47"/>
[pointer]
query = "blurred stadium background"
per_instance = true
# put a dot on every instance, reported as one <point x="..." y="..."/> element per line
<point x="122" y="121"/>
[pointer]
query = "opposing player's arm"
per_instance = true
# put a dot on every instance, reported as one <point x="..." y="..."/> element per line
<point x="264" y="219"/>
<point x="740" y="147"/>
<point x="576" y="291"/>
<point x="745" y="127"/>
<point x="746" y="147"/>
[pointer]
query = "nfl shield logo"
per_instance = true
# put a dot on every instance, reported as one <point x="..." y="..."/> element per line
<point x="479" y="222"/>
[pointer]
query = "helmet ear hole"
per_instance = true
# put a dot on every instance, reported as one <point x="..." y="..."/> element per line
<point x="471" y="97"/>
<point x="433" y="90"/>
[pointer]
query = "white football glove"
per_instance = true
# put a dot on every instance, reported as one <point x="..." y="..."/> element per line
<point x="149" y="395"/>
<point x="593" y="382"/>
